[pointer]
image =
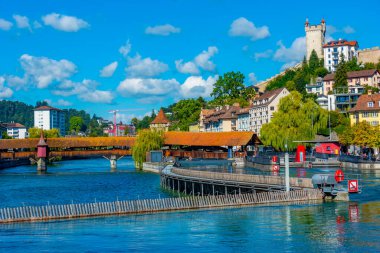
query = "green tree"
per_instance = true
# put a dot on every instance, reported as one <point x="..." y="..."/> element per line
<point x="4" y="135"/>
<point x="313" y="62"/>
<point x="281" y="81"/>
<point x="365" y="135"/>
<point x="290" y="85"/>
<point x="146" y="141"/>
<point x="295" y="119"/>
<point x="340" y="78"/>
<point x="186" y="112"/>
<point x="352" y="65"/>
<point x="321" y="72"/>
<point x="228" y="88"/>
<point x="76" y="124"/>
<point x="36" y="133"/>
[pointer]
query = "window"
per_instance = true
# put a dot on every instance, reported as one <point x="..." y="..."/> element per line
<point x="370" y="104"/>
<point x="365" y="115"/>
<point x="375" y="123"/>
<point x="272" y="107"/>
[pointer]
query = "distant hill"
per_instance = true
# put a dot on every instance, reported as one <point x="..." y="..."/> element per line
<point x="23" y="113"/>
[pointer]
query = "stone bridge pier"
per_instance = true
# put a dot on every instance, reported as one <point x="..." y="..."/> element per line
<point x="113" y="161"/>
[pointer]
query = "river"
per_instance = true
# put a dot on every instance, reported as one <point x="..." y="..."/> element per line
<point x="330" y="227"/>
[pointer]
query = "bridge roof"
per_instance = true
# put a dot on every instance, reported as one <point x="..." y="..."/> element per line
<point x="211" y="139"/>
<point x="75" y="142"/>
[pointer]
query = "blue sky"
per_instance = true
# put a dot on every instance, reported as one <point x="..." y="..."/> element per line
<point x="141" y="55"/>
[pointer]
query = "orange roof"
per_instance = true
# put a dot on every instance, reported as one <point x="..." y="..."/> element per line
<point x="335" y="43"/>
<point x="160" y="118"/>
<point x="362" y="103"/>
<point x="210" y="139"/>
<point x="75" y="142"/>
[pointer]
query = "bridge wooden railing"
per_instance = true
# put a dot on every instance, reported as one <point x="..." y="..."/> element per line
<point x="198" y="154"/>
<point x="68" y="153"/>
<point x="257" y="179"/>
<point x="50" y="212"/>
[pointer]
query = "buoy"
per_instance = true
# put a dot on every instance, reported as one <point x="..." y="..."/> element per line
<point x="276" y="167"/>
<point x="274" y="159"/>
<point x="339" y="176"/>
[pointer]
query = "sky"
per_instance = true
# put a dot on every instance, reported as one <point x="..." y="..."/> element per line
<point x="136" y="56"/>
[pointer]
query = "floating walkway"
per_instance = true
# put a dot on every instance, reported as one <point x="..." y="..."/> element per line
<point x="72" y="211"/>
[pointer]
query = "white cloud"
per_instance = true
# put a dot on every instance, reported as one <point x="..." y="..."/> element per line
<point x="85" y="90"/>
<point x="252" y="79"/>
<point x="124" y="50"/>
<point x="108" y="70"/>
<point x="17" y="82"/>
<point x="62" y="102"/>
<point x="151" y="100"/>
<point x="139" y="87"/>
<point x="36" y="25"/>
<point x="5" y="92"/>
<point x="295" y="52"/>
<point x="203" y="59"/>
<point x="187" y="67"/>
<point x="200" y="61"/>
<point x="144" y="67"/>
<point x="348" y="30"/>
<point x="43" y="71"/>
<point x="21" y="21"/>
<point x="163" y="30"/>
<point x="195" y="86"/>
<point x="266" y="54"/>
<point x="64" y="23"/>
<point x="245" y="28"/>
<point x="5" y="24"/>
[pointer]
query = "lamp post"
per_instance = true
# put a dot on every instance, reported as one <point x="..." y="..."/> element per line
<point x="287" y="186"/>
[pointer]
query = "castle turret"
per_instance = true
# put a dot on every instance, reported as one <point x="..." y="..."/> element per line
<point x="315" y="38"/>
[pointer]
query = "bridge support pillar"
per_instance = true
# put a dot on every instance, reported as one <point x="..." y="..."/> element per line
<point x="230" y="152"/>
<point x="113" y="161"/>
<point x="41" y="164"/>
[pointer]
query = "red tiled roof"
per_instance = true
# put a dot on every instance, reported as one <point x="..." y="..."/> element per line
<point x="45" y="107"/>
<point x="13" y="125"/>
<point x="341" y="43"/>
<point x="160" y="118"/>
<point x="353" y="74"/>
<point x="210" y="139"/>
<point x="362" y="103"/>
<point x="244" y="110"/>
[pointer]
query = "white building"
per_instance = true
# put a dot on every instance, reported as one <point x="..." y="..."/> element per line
<point x="244" y="122"/>
<point x="16" y="130"/>
<point x="263" y="108"/>
<point x="47" y="117"/>
<point x="315" y="38"/>
<point x="316" y="88"/>
<point x="332" y="51"/>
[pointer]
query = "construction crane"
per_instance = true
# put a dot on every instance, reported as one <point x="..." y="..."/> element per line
<point x="114" y="130"/>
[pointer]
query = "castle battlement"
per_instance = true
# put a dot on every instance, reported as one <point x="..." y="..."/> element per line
<point x="315" y="38"/>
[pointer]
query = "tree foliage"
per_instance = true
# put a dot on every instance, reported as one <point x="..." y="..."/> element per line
<point x="230" y="89"/>
<point x="295" y="120"/>
<point x="36" y="133"/>
<point x="186" y="112"/>
<point x="144" y="123"/>
<point x="361" y="134"/>
<point x="147" y="140"/>
<point x="340" y="78"/>
<point x="76" y="124"/>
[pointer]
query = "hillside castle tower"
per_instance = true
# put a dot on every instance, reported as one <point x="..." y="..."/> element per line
<point x="315" y="38"/>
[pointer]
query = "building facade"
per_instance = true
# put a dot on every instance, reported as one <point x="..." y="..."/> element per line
<point x="354" y="78"/>
<point x="316" y="88"/>
<point x="16" y="130"/>
<point x="366" y="109"/>
<point x="244" y="121"/>
<point x="333" y="50"/>
<point x="263" y="108"/>
<point x="47" y="118"/>
<point x="161" y="122"/>
<point x="222" y="119"/>
<point x="315" y="38"/>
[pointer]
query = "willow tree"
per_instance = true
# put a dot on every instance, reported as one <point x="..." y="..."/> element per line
<point x="147" y="140"/>
<point x="296" y="119"/>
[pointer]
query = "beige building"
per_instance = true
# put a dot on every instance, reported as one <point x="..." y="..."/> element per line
<point x="161" y="122"/>
<point x="369" y="55"/>
<point x="221" y="119"/>
<point x="315" y="38"/>
<point x="263" y="108"/>
<point x="366" y="109"/>
<point x="355" y="78"/>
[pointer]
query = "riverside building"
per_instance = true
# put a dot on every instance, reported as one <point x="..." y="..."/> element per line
<point x="47" y="118"/>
